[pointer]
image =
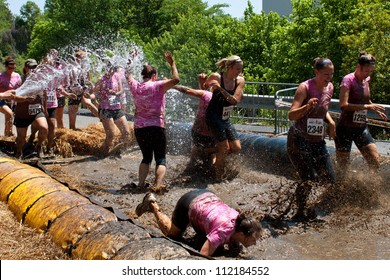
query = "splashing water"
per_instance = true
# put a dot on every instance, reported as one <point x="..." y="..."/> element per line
<point x="66" y="70"/>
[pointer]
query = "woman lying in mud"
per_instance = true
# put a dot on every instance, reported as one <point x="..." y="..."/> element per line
<point x="209" y="216"/>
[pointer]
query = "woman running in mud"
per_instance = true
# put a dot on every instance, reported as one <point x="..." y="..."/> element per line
<point x="355" y="102"/>
<point x="306" y="146"/>
<point x="108" y="90"/>
<point x="203" y="141"/>
<point x="149" y="118"/>
<point x="29" y="110"/>
<point x="209" y="216"/>
<point x="228" y="92"/>
<point x="9" y="80"/>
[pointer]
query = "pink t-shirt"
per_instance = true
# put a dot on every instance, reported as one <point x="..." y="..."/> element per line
<point x="359" y="93"/>
<point x="209" y="214"/>
<point x="107" y="100"/>
<point x="200" y="126"/>
<point x="53" y="85"/>
<point x="312" y="124"/>
<point x="52" y="100"/>
<point x="7" y="82"/>
<point x="149" y="101"/>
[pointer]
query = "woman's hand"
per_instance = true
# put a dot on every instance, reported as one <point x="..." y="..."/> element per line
<point x="312" y="103"/>
<point x="168" y="57"/>
<point x="202" y="78"/>
<point x="378" y="109"/>
<point x="8" y="95"/>
<point x="331" y="129"/>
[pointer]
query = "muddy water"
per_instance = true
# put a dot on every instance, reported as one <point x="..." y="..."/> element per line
<point x="354" y="220"/>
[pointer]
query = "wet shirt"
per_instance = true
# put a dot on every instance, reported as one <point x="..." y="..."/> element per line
<point x="200" y="126"/>
<point x="219" y="108"/>
<point x="28" y="109"/>
<point x="149" y="101"/>
<point x="107" y="100"/>
<point x="359" y="93"/>
<point x="210" y="215"/>
<point x="52" y="90"/>
<point x="311" y="126"/>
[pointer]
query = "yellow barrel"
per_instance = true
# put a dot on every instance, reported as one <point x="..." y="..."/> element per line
<point x="4" y="159"/>
<point x="10" y="166"/>
<point x="13" y="179"/>
<point x="28" y="192"/>
<point x="105" y="240"/>
<point x="68" y="228"/>
<point x="49" y="207"/>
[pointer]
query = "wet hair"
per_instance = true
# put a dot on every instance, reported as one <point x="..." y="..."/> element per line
<point x="366" y="59"/>
<point x="80" y="54"/>
<point x="148" y="71"/>
<point x="9" y="60"/>
<point x="225" y="63"/>
<point x="322" y="62"/>
<point x="248" y="226"/>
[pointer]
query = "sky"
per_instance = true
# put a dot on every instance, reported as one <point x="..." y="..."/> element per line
<point x="236" y="9"/>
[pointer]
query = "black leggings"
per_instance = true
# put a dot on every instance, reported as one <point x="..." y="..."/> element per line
<point x="152" y="140"/>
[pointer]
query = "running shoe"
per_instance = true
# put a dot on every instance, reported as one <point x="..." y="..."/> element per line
<point x="144" y="206"/>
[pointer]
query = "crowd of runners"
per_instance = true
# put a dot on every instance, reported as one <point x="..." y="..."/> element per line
<point x="214" y="136"/>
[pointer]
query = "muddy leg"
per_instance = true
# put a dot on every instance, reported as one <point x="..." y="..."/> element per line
<point x="302" y="193"/>
<point x="164" y="222"/>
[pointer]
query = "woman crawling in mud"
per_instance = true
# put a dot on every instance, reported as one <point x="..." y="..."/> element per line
<point x="208" y="215"/>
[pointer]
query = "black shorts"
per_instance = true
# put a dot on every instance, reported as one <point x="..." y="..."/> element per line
<point x="345" y="135"/>
<point x="111" y="114"/>
<point x="202" y="141"/>
<point x="152" y="140"/>
<point x="222" y="130"/>
<point x="26" y="122"/>
<point x="51" y="112"/>
<point x="61" y="101"/>
<point x="76" y="101"/>
<point x="180" y="216"/>
<point x="311" y="160"/>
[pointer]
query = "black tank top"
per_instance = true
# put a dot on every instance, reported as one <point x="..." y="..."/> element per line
<point x="218" y="102"/>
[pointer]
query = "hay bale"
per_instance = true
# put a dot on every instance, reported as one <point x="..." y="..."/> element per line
<point x="86" y="141"/>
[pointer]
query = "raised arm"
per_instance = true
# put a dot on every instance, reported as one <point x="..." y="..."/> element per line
<point x="174" y="80"/>
<point x="198" y="93"/>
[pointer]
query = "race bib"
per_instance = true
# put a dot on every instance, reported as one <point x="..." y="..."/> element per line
<point x="50" y="97"/>
<point x="114" y="100"/>
<point x="34" y="109"/>
<point x="360" y="116"/>
<point x="315" y="127"/>
<point x="226" y="112"/>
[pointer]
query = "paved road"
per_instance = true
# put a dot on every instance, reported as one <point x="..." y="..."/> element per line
<point x="83" y="121"/>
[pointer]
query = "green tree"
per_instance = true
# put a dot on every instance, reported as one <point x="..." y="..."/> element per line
<point x="7" y="43"/>
<point x="24" y="24"/>
<point x="369" y="29"/>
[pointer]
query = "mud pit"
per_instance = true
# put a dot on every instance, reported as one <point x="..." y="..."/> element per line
<point x="354" y="220"/>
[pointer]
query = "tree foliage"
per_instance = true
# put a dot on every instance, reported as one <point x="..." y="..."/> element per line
<point x="24" y="24"/>
<point x="7" y="43"/>
<point x="274" y="48"/>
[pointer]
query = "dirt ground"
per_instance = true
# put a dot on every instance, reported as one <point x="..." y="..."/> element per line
<point x="353" y="218"/>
